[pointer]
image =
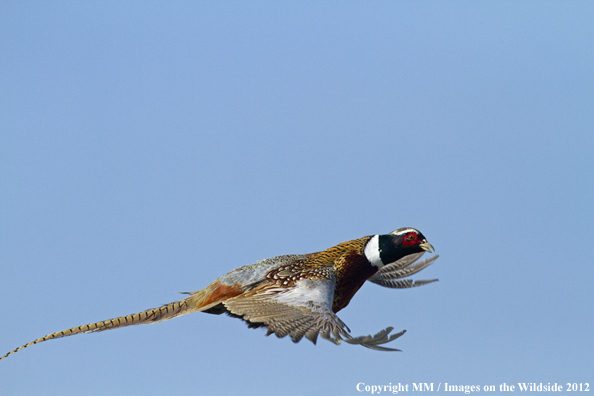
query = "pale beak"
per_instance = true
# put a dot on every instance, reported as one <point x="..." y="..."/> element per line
<point x="426" y="246"/>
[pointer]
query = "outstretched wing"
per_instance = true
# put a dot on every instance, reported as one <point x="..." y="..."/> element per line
<point x="303" y="310"/>
<point x="378" y="339"/>
<point x="391" y="274"/>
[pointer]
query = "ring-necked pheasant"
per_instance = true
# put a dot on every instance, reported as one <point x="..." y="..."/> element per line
<point x="297" y="295"/>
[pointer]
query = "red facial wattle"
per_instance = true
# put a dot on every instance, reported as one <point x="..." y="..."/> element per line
<point x="410" y="239"/>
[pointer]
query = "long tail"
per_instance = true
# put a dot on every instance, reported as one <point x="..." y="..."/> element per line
<point x="153" y="315"/>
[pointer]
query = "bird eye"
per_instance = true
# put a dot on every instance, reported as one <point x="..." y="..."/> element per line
<point x="411" y="237"/>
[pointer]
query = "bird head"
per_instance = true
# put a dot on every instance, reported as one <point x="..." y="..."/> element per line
<point x="385" y="249"/>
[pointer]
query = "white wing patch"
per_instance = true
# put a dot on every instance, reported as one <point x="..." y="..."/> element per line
<point x="315" y="295"/>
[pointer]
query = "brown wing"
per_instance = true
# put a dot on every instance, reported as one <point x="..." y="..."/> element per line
<point x="303" y="310"/>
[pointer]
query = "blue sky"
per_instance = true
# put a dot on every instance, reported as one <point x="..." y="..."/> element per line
<point x="150" y="147"/>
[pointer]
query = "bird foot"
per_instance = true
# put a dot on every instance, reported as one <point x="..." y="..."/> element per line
<point x="378" y="339"/>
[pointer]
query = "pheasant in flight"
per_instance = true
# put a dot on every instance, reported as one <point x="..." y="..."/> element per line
<point x="297" y="295"/>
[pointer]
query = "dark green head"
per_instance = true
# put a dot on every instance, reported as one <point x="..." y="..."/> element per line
<point x="385" y="249"/>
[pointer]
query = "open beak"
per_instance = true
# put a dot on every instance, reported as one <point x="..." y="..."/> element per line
<point x="426" y="246"/>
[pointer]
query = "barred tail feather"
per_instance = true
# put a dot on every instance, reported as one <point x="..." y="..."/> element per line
<point x="153" y="315"/>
